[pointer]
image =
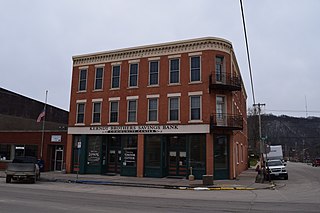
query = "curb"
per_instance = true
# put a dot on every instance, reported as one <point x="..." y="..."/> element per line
<point x="146" y="185"/>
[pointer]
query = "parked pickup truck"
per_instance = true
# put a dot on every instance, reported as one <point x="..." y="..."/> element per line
<point x="23" y="168"/>
<point x="276" y="169"/>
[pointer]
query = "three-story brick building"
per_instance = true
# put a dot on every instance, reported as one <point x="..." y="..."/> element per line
<point x="158" y="110"/>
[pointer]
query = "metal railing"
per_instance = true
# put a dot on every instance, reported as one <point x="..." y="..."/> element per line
<point x="226" y="121"/>
<point x="224" y="81"/>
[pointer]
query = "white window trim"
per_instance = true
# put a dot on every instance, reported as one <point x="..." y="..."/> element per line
<point x="136" y="119"/>
<point x="179" y="109"/>
<point x="156" y="121"/>
<point x="190" y="81"/>
<point x="97" y="100"/>
<point x="200" y="120"/>
<point x="86" y="79"/>
<point x="195" y="54"/>
<point x="110" y="101"/>
<point x="154" y="85"/>
<point x="134" y="62"/>
<point x="81" y="101"/>
<point x="169" y="95"/>
<point x="95" y="78"/>
<point x="153" y="96"/>
<point x="132" y="97"/>
<point x="116" y="63"/>
<point x="195" y="93"/>
<point x="99" y="65"/>
<point x="115" y="88"/>
<point x="173" y="58"/>
<point x="84" y="110"/>
<point x="84" y="68"/>
<point x="93" y="102"/>
<point x="114" y="99"/>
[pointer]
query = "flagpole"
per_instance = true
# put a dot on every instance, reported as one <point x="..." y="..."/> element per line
<point x="43" y="123"/>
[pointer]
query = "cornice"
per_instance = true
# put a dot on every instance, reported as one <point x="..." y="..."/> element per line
<point x="178" y="47"/>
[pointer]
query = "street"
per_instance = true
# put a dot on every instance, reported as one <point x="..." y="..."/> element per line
<point x="298" y="194"/>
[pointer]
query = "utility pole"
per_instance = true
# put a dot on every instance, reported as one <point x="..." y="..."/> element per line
<point x="261" y="145"/>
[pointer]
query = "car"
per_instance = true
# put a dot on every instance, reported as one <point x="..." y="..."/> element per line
<point x="276" y="169"/>
<point x="316" y="162"/>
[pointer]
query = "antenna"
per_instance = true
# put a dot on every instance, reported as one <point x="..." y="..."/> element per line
<point x="306" y="105"/>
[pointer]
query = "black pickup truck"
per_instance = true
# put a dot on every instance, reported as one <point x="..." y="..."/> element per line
<point x="23" y="168"/>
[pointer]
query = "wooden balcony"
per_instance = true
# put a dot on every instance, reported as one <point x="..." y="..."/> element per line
<point x="224" y="81"/>
<point x="226" y="121"/>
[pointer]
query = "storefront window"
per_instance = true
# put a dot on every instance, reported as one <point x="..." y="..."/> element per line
<point x="130" y="151"/>
<point x="26" y="150"/>
<point x="197" y="151"/>
<point x="152" y="151"/>
<point x="5" y="151"/>
<point x="94" y="146"/>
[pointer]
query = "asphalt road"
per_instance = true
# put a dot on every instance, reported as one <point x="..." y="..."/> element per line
<point x="298" y="194"/>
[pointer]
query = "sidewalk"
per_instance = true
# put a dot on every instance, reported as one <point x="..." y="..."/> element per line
<point x="245" y="181"/>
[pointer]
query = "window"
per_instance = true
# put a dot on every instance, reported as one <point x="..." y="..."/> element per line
<point x="195" y="107"/>
<point x="153" y="72"/>
<point x="80" y="113"/>
<point x="195" y="74"/>
<point x="197" y="147"/>
<point x="220" y="110"/>
<point x="174" y="109"/>
<point x="133" y="76"/>
<point x="174" y="71"/>
<point x="219" y="69"/>
<point x="115" y="81"/>
<point x="114" y="108"/>
<point x="96" y="112"/>
<point x="132" y="111"/>
<point x="83" y="80"/>
<point x="94" y="150"/>
<point x="153" y="109"/>
<point x="152" y="154"/>
<point x="99" y="78"/>
<point x="5" y="152"/>
<point x="26" y="150"/>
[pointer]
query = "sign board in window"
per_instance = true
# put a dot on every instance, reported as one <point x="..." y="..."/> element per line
<point x="56" y="138"/>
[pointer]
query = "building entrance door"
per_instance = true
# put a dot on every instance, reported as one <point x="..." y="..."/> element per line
<point x="177" y="156"/>
<point x="58" y="159"/>
<point x="114" y="155"/>
<point x="221" y="158"/>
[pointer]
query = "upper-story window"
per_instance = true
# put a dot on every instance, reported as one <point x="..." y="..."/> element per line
<point x="83" y="80"/>
<point x="99" y="78"/>
<point x="132" y="110"/>
<point x="195" y="107"/>
<point x="195" y="69"/>
<point x="153" y="109"/>
<point x="174" y="71"/>
<point x="96" y="112"/>
<point x="115" y="79"/>
<point x="114" y="112"/>
<point x="174" y="108"/>
<point x="154" y="73"/>
<point x="80" y="113"/>
<point x="219" y="69"/>
<point x="133" y="76"/>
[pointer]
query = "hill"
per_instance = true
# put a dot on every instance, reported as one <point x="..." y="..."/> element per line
<point x="299" y="137"/>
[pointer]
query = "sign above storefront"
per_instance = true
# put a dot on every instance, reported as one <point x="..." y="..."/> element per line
<point x="141" y="129"/>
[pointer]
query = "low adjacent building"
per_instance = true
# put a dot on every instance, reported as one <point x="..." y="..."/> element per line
<point x="22" y="135"/>
<point x="160" y="110"/>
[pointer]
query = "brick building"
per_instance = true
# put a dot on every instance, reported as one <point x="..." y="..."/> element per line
<point x="158" y="110"/>
<point x="21" y="134"/>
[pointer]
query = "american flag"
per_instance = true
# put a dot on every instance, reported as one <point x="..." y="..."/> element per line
<point x="41" y="115"/>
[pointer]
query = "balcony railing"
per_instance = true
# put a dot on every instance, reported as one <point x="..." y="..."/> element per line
<point x="226" y="121"/>
<point x="223" y="81"/>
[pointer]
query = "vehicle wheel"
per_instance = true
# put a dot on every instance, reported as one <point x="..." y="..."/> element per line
<point x="286" y="177"/>
<point x="8" y="179"/>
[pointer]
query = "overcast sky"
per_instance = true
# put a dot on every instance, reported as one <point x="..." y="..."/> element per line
<point x="38" y="39"/>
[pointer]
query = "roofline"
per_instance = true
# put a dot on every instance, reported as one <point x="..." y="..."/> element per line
<point x="153" y="45"/>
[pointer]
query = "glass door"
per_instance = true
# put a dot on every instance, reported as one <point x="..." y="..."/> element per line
<point x="177" y="156"/>
<point x="114" y="155"/>
<point x="58" y="159"/>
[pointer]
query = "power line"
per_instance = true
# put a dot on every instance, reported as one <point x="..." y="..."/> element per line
<point x="248" y="54"/>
